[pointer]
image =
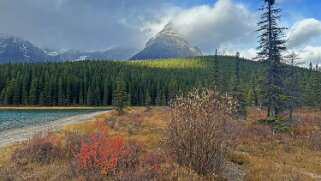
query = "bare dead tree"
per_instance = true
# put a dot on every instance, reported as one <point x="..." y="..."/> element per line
<point x="293" y="88"/>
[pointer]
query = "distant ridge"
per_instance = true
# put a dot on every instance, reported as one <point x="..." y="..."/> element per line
<point x="17" y="50"/>
<point x="166" y="44"/>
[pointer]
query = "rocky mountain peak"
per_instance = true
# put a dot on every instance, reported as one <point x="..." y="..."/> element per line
<point x="167" y="44"/>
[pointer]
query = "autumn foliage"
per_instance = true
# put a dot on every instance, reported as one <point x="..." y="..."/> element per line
<point x="100" y="152"/>
<point x="131" y="146"/>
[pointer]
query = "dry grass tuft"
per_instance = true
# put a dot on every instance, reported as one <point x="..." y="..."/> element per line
<point x="42" y="148"/>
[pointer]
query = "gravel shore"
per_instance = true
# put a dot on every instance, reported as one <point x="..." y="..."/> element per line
<point x="22" y="134"/>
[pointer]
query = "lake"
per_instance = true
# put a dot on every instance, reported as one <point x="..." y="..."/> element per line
<point x="16" y="118"/>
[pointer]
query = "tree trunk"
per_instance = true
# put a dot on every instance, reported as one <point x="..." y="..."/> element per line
<point x="271" y="102"/>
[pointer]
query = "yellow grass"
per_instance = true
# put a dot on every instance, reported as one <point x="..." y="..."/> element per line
<point x="277" y="159"/>
<point x="285" y="158"/>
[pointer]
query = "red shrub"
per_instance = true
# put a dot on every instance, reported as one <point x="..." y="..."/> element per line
<point x="103" y="157"/>
<point x="100" y="152"/>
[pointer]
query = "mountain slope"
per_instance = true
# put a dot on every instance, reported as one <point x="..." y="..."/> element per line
<point x="167" y="44"/>
<point x="18" y="50"/>
<point x="110" y="54"/>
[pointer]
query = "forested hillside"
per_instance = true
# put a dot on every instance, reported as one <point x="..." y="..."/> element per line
<point x="96" y="83"/>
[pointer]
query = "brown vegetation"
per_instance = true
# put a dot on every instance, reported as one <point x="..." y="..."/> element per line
<point x="197" y="132"/>
<point x="43" y="148"/>
<point x="263" y="153"/>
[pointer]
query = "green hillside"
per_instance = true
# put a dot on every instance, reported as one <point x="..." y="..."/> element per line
<point x="93" y="83"/>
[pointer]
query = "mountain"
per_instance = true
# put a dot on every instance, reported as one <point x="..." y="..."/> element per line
<point x="15" y="50"/>
<point x="110" y="54"/>
<point x="18" y="50"/>
<point x="167" y="44"/>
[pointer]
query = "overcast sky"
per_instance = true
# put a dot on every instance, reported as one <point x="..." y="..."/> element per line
<point x="228" y="25"/>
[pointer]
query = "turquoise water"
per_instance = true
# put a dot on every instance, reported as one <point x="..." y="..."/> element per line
<point x="12" y="119"/>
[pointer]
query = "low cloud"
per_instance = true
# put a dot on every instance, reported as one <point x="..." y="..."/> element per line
<point x="311" y="54"/>
<point x="99" y="25"/>
<point x="209" y="26"/>
<point x="226" y="25"/>
<point x="79" y="24"/>
<point x="302" y="32"/>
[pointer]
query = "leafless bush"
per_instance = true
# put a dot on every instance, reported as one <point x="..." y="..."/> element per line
<point x="139" y="164"/>
<point x="41" y="148"/>
<point x="197" y="132"/>
<point x="133" y="159"/>
<point x="72" y="144"/>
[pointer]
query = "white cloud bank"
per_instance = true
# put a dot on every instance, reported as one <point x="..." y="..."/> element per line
<point x="301" y="35"/>
<point x="310" y="54"/>
<point x="230" y="27"/>
<point x="302" y="32"/>
<point x="227" y="25"/>
<point x="209" y="26"/>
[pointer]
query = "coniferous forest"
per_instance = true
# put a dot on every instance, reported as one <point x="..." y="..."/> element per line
<point x="212" y="117"/>
<point x="152" y="82"/>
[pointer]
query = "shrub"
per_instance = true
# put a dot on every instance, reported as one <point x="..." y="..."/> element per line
<point x="133" y="159"/>
<point x="261" y="133"/>
<point x="147" y="168"/>
<point x="41" y="149"/>
<point x="72" y="144"/>
<point x="197" y="132"/>
<point x="303" y="130"/>
<point x="100" y="152"/>
<point x="277" y="123"/>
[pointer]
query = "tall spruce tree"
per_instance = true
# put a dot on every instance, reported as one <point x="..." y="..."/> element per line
<point x="106" y="93"/>
<point x="61" y="96"/>
<point x="271" y="44"/>
<point x="216" y="73"/>
<point x="120" y="94"/>
<point x="313" y="90"/>
<point x="25" y="89"/>
<point x="90" y="97"/>
<point x="33" y="96"/>
<point x="47" y="99"/>
<point x="238" y="94"/>
<point x="81" y="95"/>
<point x="148" y="100"/>
<point x="237" y="70"/>
<point x="310" y="66"/>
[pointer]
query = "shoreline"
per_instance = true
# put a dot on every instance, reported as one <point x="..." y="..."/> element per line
<point x="23" y="134"/>
<point x="50" y="108"/>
